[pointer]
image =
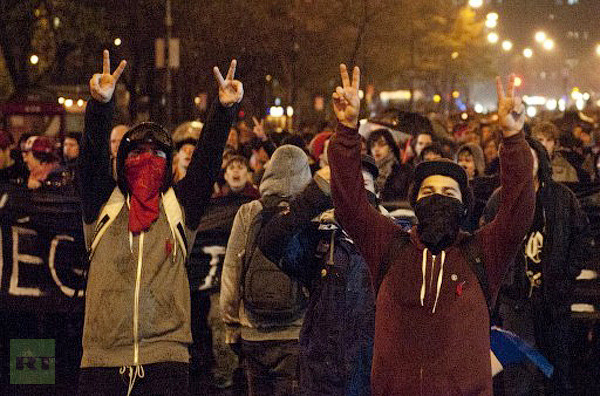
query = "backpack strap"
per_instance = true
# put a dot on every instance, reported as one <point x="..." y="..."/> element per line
<point x="250" y="245"/>
<point x="399" y="241"/>
<point x="472" y="252"/>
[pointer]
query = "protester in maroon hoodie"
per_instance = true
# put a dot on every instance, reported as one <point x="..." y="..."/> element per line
<point x="432" y="322"/>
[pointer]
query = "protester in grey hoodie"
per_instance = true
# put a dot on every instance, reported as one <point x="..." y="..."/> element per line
<point x="138" y="230"/>
<point x="271" y="355"/>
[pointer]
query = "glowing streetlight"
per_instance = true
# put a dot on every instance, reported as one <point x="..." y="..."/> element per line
<point x="61" y="100"/>
<point x="493" y="37"/>
<point x="507" y="45"/>
<point x="492" y="16"/>
<point x="118" y="42"/>
<point x="548" y="44"/>
<point x="455" y="94"/>
<point x="80" y="102"/>
<point x="490" y="23"/>
<point x="437" y="98"/>
<point x="34" y="59"/>
<point x="454" y="55"/>
<point x="475" y="3"/>
<point x="69" y="102"/>
<point x="518" y="81"/>
<point x="527" y="52"/>
<point x="540" y="37"/>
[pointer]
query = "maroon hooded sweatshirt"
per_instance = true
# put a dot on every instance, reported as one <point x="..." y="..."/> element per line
<point x="432" y="330"/>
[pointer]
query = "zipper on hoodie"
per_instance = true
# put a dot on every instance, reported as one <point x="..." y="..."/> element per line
<point x="136" y="300"/>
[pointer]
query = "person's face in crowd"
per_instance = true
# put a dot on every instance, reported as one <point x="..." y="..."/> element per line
<point x="486" y="132"/>
<point x="423" y="140"/>
<point x="548" y="143"/>
<point x="70" y="148"/>
<point x="380" y="149"/>
<point x="490" y="151"/>
<point x="236" y="175"/>
<point x="323" y="158"/>
<point x="245" y="133"/>
<point x="577" y="131"/>
<point x="258" y="159"/>
<point x="232" y="138"/>
<point x="431" y="155"/>
<point x="586" y="138"/>
<point x="5" y="159"/>
<point x="184" y="155"/>
<point x="466" y="160"/>
<point x="115" y="138"/>
<point x="438" y="184"/>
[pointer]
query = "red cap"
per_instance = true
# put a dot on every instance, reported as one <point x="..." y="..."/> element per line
<point x="40" y="144"/>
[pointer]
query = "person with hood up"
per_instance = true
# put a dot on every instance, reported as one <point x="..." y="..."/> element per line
<point x="432" y="327"/>
<point x="139" y="231"/>
<point x="270" y="354"/>
<point x="535" y="300"/>
<point x="470" y="157"/>
<point x="336" y="341"/>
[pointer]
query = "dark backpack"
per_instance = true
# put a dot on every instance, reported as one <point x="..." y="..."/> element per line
<point x="271" y="297"/>
<point x="470" y="250"/>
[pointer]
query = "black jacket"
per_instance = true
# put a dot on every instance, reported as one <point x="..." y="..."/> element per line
<point x="566" y="246"/>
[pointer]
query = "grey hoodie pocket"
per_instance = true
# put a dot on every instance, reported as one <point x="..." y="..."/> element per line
<point x="110" y="319"/>
<point x="159" y="314"/>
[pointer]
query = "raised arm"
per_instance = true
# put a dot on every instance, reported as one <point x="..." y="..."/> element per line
<point x="195" y="189"/>
<point x="94" y="170"/>
<point x="366" y="226"/>
<point x="277" y="238"/>
<point x="501" y="239"/>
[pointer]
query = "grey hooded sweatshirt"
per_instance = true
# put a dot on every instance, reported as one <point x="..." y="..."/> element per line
<point x="286" y="175"/>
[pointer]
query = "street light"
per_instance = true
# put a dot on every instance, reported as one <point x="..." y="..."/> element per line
<point x="492" y="16"/>
<point x="118" y="42"/>
<point x="34" y="59"/>
<point x="493" y="37"/>
<point x="454" y="55"/>
<point x="540" y="37"/>
<point x="527" y="52"/>
<point x="507" y="45"/>
<point x="475" y="3"/>
<point x="549" y="44"/>
<point x="491" y="23"/>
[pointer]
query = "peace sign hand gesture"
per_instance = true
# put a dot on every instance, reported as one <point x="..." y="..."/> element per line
<point x="346" y="102"/>
<point x="230" y="91"/>
<point x="102" y="86"/>
<point x="511" y="111"/>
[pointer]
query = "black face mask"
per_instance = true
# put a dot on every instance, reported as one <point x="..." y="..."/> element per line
<point x="439" y="221"/>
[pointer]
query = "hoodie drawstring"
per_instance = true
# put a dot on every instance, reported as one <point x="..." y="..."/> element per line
<point x="135" y="372"/>
<point x="424" y="277"/>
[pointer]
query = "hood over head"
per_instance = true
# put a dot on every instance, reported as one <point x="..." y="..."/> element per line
<point x="477" y="152"/>
<point x="286" y="174"/>
<point x="146" y="132"/>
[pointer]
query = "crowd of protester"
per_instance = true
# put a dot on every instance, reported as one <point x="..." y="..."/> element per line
<point x="317" y="348"/>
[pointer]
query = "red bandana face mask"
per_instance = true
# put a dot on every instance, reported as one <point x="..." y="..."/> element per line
<point x="145" y="174"/>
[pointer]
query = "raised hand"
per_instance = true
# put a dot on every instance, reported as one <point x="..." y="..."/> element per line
<point x="511" y="111"/>
<point x="102" y="86"/>
<point x="259" y="129"/>
<point x="346" y="102"/>
<point x="230" y="91"/>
